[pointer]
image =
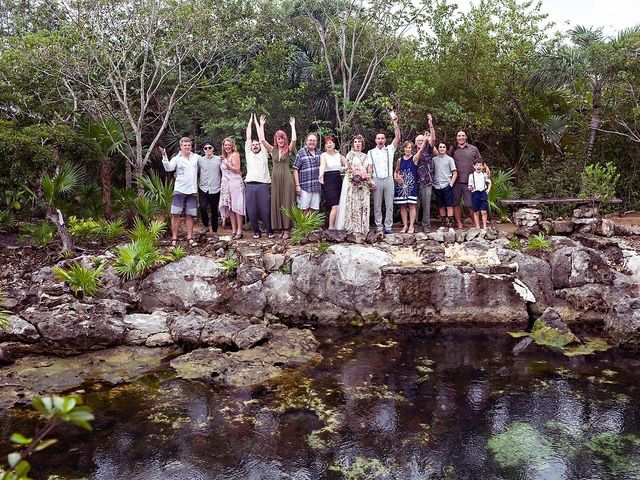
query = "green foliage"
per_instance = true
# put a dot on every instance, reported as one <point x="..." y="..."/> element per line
<point x="362" y="469"/>
<point x="599" y="181"/>
<point x="537" y="243"/>
<point x="42" y="234"/>
<point x="136" y="258"/>
<point x="303" y="224"/>
<point x="323" y="246"/>
<point x="514" y="244"/>
<point x="501" y="189"/>
<point x="80" y="278"/>
<point x="7" y="221"/>
<point x="56" y="410"/>
<point x="87" y="229"/>
<point x="151" y="232"/>
<point x="176" y="253"/>
<point x="230" y="266"/>
<point x="614" y="451"/>
<point x="160" y="192"/>
<point x="61" y="184"/>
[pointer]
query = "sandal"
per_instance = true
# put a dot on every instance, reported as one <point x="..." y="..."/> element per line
<point x="192" y="242"/>
<point x="174" y="242"/>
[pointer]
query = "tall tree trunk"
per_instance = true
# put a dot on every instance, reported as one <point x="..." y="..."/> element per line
<point x="596" y="118"/>
<point x="105" y="173"/>
<point x="127" y="173"/>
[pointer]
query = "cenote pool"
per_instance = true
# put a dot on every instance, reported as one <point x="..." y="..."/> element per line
<point x="397" y="405"/>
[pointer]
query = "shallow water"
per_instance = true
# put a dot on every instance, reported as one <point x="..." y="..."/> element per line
<point x="397" y="405"/>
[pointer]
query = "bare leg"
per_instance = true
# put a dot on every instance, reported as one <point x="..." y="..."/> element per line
<point x="458" y="215"/>
<point x="189" y="221"/>
<point x="476" y="219"/>
<point x="403" y="215"/>
<point x="332" y="217"/>
<point x="484" y="219"/>
<point x="175" y="225"/>
<point x="239" y="223"/>
<point x="412" y="217"/>
<point x="232" y="218"/>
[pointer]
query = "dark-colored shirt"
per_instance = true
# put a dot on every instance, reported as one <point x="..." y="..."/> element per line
<point x="308" y="167"/>
<point x="425" y="167"/>
<point x="465" y="157"/>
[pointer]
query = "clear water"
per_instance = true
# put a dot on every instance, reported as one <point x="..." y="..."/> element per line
<point x="398" y="405"/>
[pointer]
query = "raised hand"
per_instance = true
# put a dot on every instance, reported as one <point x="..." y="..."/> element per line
<point x="292" y="121"/>
<point x="263" y="120"/>
<point x="394" y="117"/>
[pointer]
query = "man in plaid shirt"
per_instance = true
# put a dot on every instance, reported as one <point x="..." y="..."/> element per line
<point x="306" y="170"/>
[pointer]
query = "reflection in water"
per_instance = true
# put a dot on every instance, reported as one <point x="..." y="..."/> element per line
<point x="381" y="405"/>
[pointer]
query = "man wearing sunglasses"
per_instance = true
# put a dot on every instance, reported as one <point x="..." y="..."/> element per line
<point x="209" y="188"/>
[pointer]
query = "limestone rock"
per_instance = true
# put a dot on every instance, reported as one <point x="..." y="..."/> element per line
<point x="249" y="300"/>
<point x="19" y="330"/>
<point x="247" y="274"/>
<point x="335" y="236"/>
<point x="395" y="239"/>
<point x="585" y="212"/>
<point x="605" y="227"/>
<point x="250" y="367"/>
<point x="252" y="336"/>
<point x="622" y="323"/>
<point x="161" y="339"/>
<point x="573" y="267"/>
<point x="273" y="261"/>
<point x="141" y="326"/>
<point x="357" y="238"/>
<point x="183" y="284"/>
<point x="78" y="327"/>
<point x="562" y="227"/>
<point x="186" y="329"/>
<point x="221" y="331"/>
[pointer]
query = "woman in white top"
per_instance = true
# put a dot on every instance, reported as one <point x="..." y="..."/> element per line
<point x="331" y="164"/>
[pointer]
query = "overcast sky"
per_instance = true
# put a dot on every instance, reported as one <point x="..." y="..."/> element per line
<point x="612" y="15"/>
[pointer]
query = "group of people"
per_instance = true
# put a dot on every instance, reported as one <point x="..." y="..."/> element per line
<point x="346" y="182"/>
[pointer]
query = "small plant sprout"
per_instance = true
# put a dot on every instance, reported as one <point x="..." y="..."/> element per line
<point x="81" y="278"/>
<point x="537" y="243"/>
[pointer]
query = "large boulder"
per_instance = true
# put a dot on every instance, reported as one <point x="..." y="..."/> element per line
<point x="573" y="267"/>
<point x="443" y="293"/>
<point x="190" y="282"/>
<point x="77" y="327"/>
<point x="348" y="277"/>
<point x="622" y="323"/>
<point x="19" y="330"/>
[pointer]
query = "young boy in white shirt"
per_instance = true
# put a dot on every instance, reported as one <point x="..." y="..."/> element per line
<point x="480" y="185"/>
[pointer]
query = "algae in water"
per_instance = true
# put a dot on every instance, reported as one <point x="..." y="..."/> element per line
<point x="520" y="444"/>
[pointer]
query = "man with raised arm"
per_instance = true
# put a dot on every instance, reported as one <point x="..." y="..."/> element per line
<point x="424" y="156"/>
<point x="380" y="166"/>
<point x="257" y="182"/>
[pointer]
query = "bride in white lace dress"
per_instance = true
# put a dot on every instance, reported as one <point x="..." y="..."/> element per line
<point x="353" y="213"/>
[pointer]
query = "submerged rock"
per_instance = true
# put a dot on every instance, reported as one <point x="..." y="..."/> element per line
<point x="250" y="367"/>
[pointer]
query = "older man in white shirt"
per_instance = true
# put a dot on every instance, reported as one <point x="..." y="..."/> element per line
<point x="380" y="166"/>
<point x="185" y="190"/>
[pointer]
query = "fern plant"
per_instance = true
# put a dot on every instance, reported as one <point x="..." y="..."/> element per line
<point x="537" y="243"/>
<point x="230" y="266"/>
<point x="135" y="258"/>
<point x="7" y="221"/>
<point x="158" y="190"/>
<point x="514" y="244"/>
<point x="323" y="246"/>
<point x="81" y="278"/>
<point x="176" y="253"/>
<point x="303" y="223"/>
<point x="110" y="230"/>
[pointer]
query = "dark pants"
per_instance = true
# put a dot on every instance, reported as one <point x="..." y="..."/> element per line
<point x="209" y="201"/>
<point x="258" y="204"/>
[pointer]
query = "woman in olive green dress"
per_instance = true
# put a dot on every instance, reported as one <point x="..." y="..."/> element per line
<point x="283" y="190"/>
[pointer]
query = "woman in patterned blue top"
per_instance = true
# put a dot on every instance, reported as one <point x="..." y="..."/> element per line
<point x="406" y="194"/>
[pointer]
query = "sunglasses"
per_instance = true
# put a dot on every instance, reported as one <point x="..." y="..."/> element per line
<point x="208" y="148"/>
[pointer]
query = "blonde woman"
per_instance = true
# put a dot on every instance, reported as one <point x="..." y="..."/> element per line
<point x="232" y="187"/>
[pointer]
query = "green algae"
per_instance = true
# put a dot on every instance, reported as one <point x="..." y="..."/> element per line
<point x="519" y="445"/>
<point x="361" y="469"/>
<point x="619" y="453"/>
<point x="564" y="342"/>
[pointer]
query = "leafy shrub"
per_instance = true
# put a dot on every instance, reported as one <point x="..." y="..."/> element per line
<point x="176" y="253"/>
<point x="150" y="232"/>
<point x="55" y="410"/>
<point x="230" y="266"/>
<point x="303" y="224"/>
<point x="110" y="230"/>
<point x="599" y="181"/>
<point x="41" y="234"/>
<point x="323" y="246"/>
<point x="501" y="189"/>
<point x="537" y="243"/>
<point x="82" y="229"/>
<point x="135" y="258"/>
<point x="159" y="191"/>
<point x="7" y="221"/>
<point x="80" y="278"/>
<point x="514" y="244"/>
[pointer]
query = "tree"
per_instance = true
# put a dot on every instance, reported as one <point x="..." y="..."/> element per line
<point x="134" y="61"/>
<point x="592" y="62"/>
<point x="356" y="36"/>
